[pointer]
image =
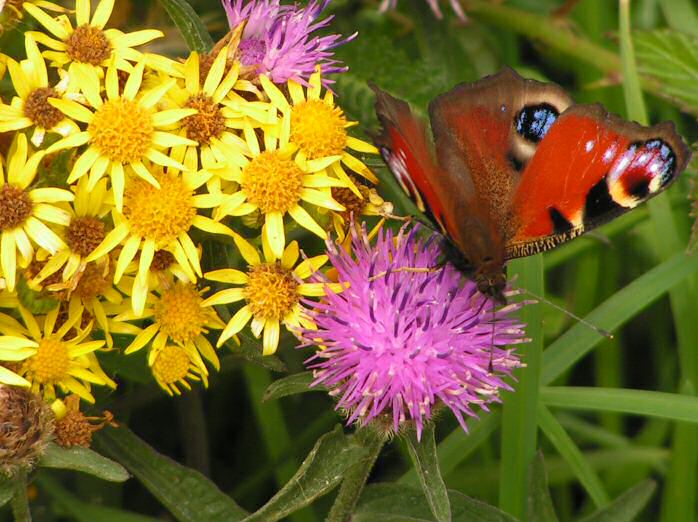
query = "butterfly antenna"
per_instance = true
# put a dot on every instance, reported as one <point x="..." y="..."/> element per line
<point x="600" y="331"/>
<point x="490" y="367"/>
<point x="410" y="269"/>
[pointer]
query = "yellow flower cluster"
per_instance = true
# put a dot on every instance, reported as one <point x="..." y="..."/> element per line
<point x="125" y="166"/>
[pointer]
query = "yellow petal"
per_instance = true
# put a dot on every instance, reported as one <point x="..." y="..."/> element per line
<point x="321" y="199"/>
<point x="301" y="216"/>
<point x="227" y="275"/>
<point x="361" y="146"/>
<point x="47" y="21"/>
<point x="236" y="323"/>
<point x="274" y="93"/>
<point x="274" y="228"/>
<point x="247" y="251"/>
<point x="102" y="13"/>
<point x="309" y="266"/>
<point x="142" y="339"/>
<point x="12" y="379"/>
<point x="270" y="341"/>
<point x="227" y="296"/>
<point x="110" y="242"/>
<point x="290" y="256"/>
<point x="128" y="253"/>
<point x="319" y="289"/>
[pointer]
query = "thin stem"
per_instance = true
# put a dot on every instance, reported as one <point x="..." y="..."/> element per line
<point x="519" y="430"/>
<point x="555" y="37"/>
<point x="355" y="480"/>
<point x="20" y="501"/>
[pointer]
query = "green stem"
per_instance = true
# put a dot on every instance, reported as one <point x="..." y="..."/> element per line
<point x="554" y="37"/>
<point x="680" y="491"/>
<point x="544" y="30"/>
<point x="519" y="431"/>
<point x="355" y="480"/>
<point x="20" y="501"/>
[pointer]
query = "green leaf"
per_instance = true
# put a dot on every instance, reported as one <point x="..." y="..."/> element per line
<point x="81" y="511"/>
<point x="638" y="402"/>
<point x="399" y="503"/>
<point x="615" y="311"/>
<point x="189" y="24"/>
<point x="519" y="433"/>
<point x="321" y="471"/>
<point x="36" y="302"/>
<point x="540" y="505"/>
<point x="569" y="451"/>
<point x="627" y="506"/>
<point x="83" y="459"/>
<point x="672" y="58"/>
<point x="5" y="490"/>
<point x="291" y="385"/>
<point x="250" y="349"/>
<point x="186" y="493"/>
<point x="458" y="445"/>
<point x="426" y="463"/>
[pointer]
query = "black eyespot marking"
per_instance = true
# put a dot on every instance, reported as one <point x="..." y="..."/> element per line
<point x="534" y="121"/>
<point x="515" y="162"/>
<point x="640" y="190"/>
<point x="599" y="202"/>
<point x="560" y="223"/>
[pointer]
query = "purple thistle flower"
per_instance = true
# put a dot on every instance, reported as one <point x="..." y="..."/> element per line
<point x="277" y="39"/>
<point x="400" y="342"/>
<point x="433" y="4"/>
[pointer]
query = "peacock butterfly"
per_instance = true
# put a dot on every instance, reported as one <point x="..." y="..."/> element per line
<point x="517" y="168"/>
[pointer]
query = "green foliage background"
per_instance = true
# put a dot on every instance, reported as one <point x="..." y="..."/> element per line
<point x="597" y="429"/>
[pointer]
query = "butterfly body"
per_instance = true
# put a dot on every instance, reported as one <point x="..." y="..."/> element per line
<point x="516" y="168"/>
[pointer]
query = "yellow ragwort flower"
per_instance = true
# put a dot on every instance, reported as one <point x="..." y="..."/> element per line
<point x="172" y="365"/>
<point x="87" y="46"/>
<point x="49" y="360"/>
<point x="214" y="126"/>
<point x="155" y="219"/>
<point x="30" y="108"/>
<point x="272" y="290"/>
<point x="180" y="316"/>
<point x="86" y="230"/>
<point x="124" y="130"/>
<point x="275" y="181"/>
<point x="24" y="211"/>
<point x="319" y="128"/>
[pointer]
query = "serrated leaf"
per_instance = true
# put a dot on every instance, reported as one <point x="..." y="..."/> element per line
<point x="85" y="460"/>
<point x="186" y="493"/>
<point x="540" y="505"/>
<point x="672" y="58"/>
<point x="400" y="503"/>
<point x="627" y="506"/>
<point x="321" y="471"/>
<point x="189" y="24"/>
<point x="426" y="464"/>
<point x="5" y="490"/>
<point x="291" y="385"/>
